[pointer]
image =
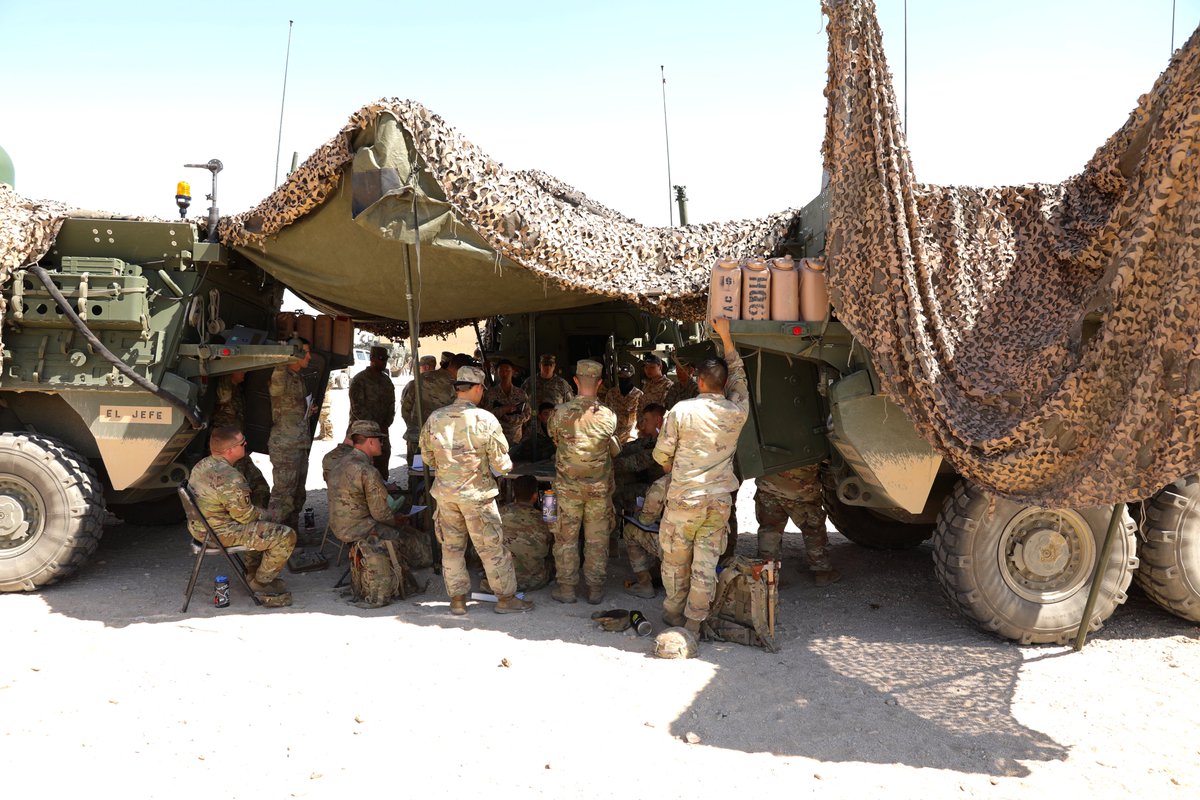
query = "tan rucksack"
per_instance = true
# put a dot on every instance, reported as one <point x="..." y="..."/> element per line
<point x="378" y="574"/>
<point x="743" y="609"/>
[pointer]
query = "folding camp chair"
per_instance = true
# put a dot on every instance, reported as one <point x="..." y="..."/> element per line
<point x="211" y="546"/>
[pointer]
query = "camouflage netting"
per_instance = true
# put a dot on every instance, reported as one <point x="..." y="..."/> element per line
<point x="527" y="220"/>
<point x="27" y="229"/>
<point x="972" y="300"/>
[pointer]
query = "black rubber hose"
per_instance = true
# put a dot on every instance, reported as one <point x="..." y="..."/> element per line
<point x="192" y="415"/>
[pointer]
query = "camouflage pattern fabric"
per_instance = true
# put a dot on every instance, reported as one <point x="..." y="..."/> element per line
<point x="527" y="538"/>
<point x="682" y="391"/>
<point x="693" y="536"/>
<point x="260" y="490"/>
<point x="408" y="413"/>
<point x="376" y="572"/>
<point x="699" y="438"/>
<point x="358" y="500"/>
<point x="792" y="494"/>
<point x="556" y="391"/>
<point x="514" y="423"/>
<point x="223" y="497"/>
<point x="288" y="445"/>
<point x="635" y="469"/>
<point x="536" y="446"/>
<point x="289" y="470"/>
<point x="325" y="423"/>
<point x="625" y="406"/>
<point x="582" y="431"/>
<point x="437" y="391"/>
<point x="654" y="391"/>
<point x="373" y="397"/>
<point x="329" y="464"/>
<point x="454" y="523"/>
<point x="970" y="300"/>
<point x="462" y="444"/>
<point x="27" y="229"/>
<point x="229" y="405"/>
<point x="643" y="546"/>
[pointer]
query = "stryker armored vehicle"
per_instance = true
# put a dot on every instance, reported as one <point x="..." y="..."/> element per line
<point x="112" y="345"/>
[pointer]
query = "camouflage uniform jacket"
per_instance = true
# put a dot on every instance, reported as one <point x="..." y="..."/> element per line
<point x="682" y="391"/>
<point x="582" y="431"/>
<point x="357" y="498"/>
<point x="655" y="391"/>
<point x="230" y="406"/>
<point x="462" y="444"/>
<point x="800" y="483"/>
<point x="373" y="397"/>
<point x="436" y="387"/>
<point x="636" y="460"/>
<point x="625" y="406"/>
<point x="556" y="390"/>
<point x="699" y="438"/>
<point x="512" y="424"/>
<point x="329" y="464"/>
<point x="289" y="410"/>
<point x="655" y="501"/>
<point x="222" y="497"/>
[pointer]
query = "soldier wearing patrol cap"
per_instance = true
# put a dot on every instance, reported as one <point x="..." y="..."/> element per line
<point x="583" y="433"/>
<point x="551" y="388"/>
<point x="462" y="444"/>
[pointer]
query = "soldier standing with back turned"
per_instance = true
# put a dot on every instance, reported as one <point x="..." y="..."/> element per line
<point x="291" y="407"/>
<point x="582" y="431"/>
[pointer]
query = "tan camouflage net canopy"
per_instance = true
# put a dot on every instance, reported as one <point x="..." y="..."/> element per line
<point x="972" y="301"/>
<point x="492" y="241"/>
<point x="27" y="229"/>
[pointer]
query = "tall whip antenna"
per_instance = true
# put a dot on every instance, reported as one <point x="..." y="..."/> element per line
<point x="906" y="68"/>
<point x="1172" y="26"/>
<point x="279" y="141"/>
<point x="666" y="135"/>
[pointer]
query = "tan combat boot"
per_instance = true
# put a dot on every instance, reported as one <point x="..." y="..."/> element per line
<point x="458" y="605"/>
<point x="273" y="587"/>
<point x="673" y="620"/>
<point x="564" y="593"/>
<point x="693" y="625"/>
<point x="595" y="595"/>
<point x="644" y="588"/>
<point x="510" y="604"/>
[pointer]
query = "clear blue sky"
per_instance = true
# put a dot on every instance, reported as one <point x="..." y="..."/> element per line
<point x="103" y="102"/>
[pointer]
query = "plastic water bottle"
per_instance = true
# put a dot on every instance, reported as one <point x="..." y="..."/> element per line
<point x="310" y="518"/>
<point x="549" y="506"/>
<point x="640" y="624"/>
<point x="221" y="591"/>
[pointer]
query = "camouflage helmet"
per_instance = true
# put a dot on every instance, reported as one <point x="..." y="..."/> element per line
<point x="676" y="643"/>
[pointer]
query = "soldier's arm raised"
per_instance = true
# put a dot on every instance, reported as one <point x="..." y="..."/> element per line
<point x="737" y="390"/>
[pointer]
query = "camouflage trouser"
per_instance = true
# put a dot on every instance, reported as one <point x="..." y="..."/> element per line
<point x="692" y="535"/>
<point x="268" y="544"/>
<point x="260" y="490"/>
<point x="529" y="550"/>
<point x="412" y="545"/>
<point x="289" y="469"/>
<point x="590" y="504"/>
<point x="773" y="512"/>
<point x="643" y="547"/>
<point x="326" y="425"/>
<point x="626" y="495"/>
<point x="454" y="522"/>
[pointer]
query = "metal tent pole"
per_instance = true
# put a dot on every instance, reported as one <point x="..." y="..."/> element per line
<point x="1110" y="536"/>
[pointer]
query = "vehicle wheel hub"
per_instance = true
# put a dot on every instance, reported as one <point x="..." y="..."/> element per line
<point x="20" y="512"/>
<point x="1046" y="555"/>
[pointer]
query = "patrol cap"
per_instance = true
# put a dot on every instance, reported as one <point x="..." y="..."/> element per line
<point x="588" y="369"/>
<point x="366" y="427"/>
<point x="652" y="358"/>
<point x="379" y="352"/>
<point x="625" y="371"/>
<point x="429" y="360"/>
<point x="468" y="375"/>
<point x="547" y="358"/>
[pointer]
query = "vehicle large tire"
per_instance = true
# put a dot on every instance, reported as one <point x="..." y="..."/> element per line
<point x="1024" y="572"/>
<point x="1170" y="550"/>
<point x="869" y="528"/>
<point x="51" y="511"/>
<point x="165" y="510"/>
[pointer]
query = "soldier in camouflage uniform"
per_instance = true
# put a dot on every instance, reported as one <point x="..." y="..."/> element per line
<point x="373" y="397"/>
<point x="536" y="446"/>
<point x="361" y="509"/>
<point x="290" y="439"/>
<point x="437" y="391"/>
<point x="794" y="494"/>
<point x="508" y="403"/>
<point x="642" y="545"/>
<point x="635" y="468"/>
<point x="686" y="387"/>
<point x="551" y="388"/>
<point x="230" y="409"/>
<point x="582" y="431"/>
<point x="526" y="535"/>
<point x="656" y="386"/>
<point x="408" y="407"/>
<point x="224" y="499"/>
<point x="462" y="444"/>
<point x="697" y="445"/>
<point x="325" y="423"/>
<point x="625" y="400"/>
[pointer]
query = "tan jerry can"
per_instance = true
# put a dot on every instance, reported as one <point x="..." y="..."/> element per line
<point x="814" y="292"/>
<point x="343" y="336"/>
<point x="785" y="289"/>
<point x="725" y="291"/>
<point x="323" y="334"/>
<point x="756" y="290"/>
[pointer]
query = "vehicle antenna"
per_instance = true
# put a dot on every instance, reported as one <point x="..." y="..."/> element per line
<point x="279" y="141"/>
<point x="1172" y="26"/>
<point x="666" y="135"/>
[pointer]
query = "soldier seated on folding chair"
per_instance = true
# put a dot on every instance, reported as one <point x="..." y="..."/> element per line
<point x="223" y="497"/>
<point x="359" y="504"/>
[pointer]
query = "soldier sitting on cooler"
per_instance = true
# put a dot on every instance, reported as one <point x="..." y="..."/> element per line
<point x="526" y="536"/>
<point x="643" y="546"/>
<point x="625" y="400"/>
<point x="635" y="468"/>
<point x="794" y="494"/>
<point x="224" y="499"/>
<point x="509" y="403"/>
<point x="536" y="446"/>
<point x="360" y="508"/>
